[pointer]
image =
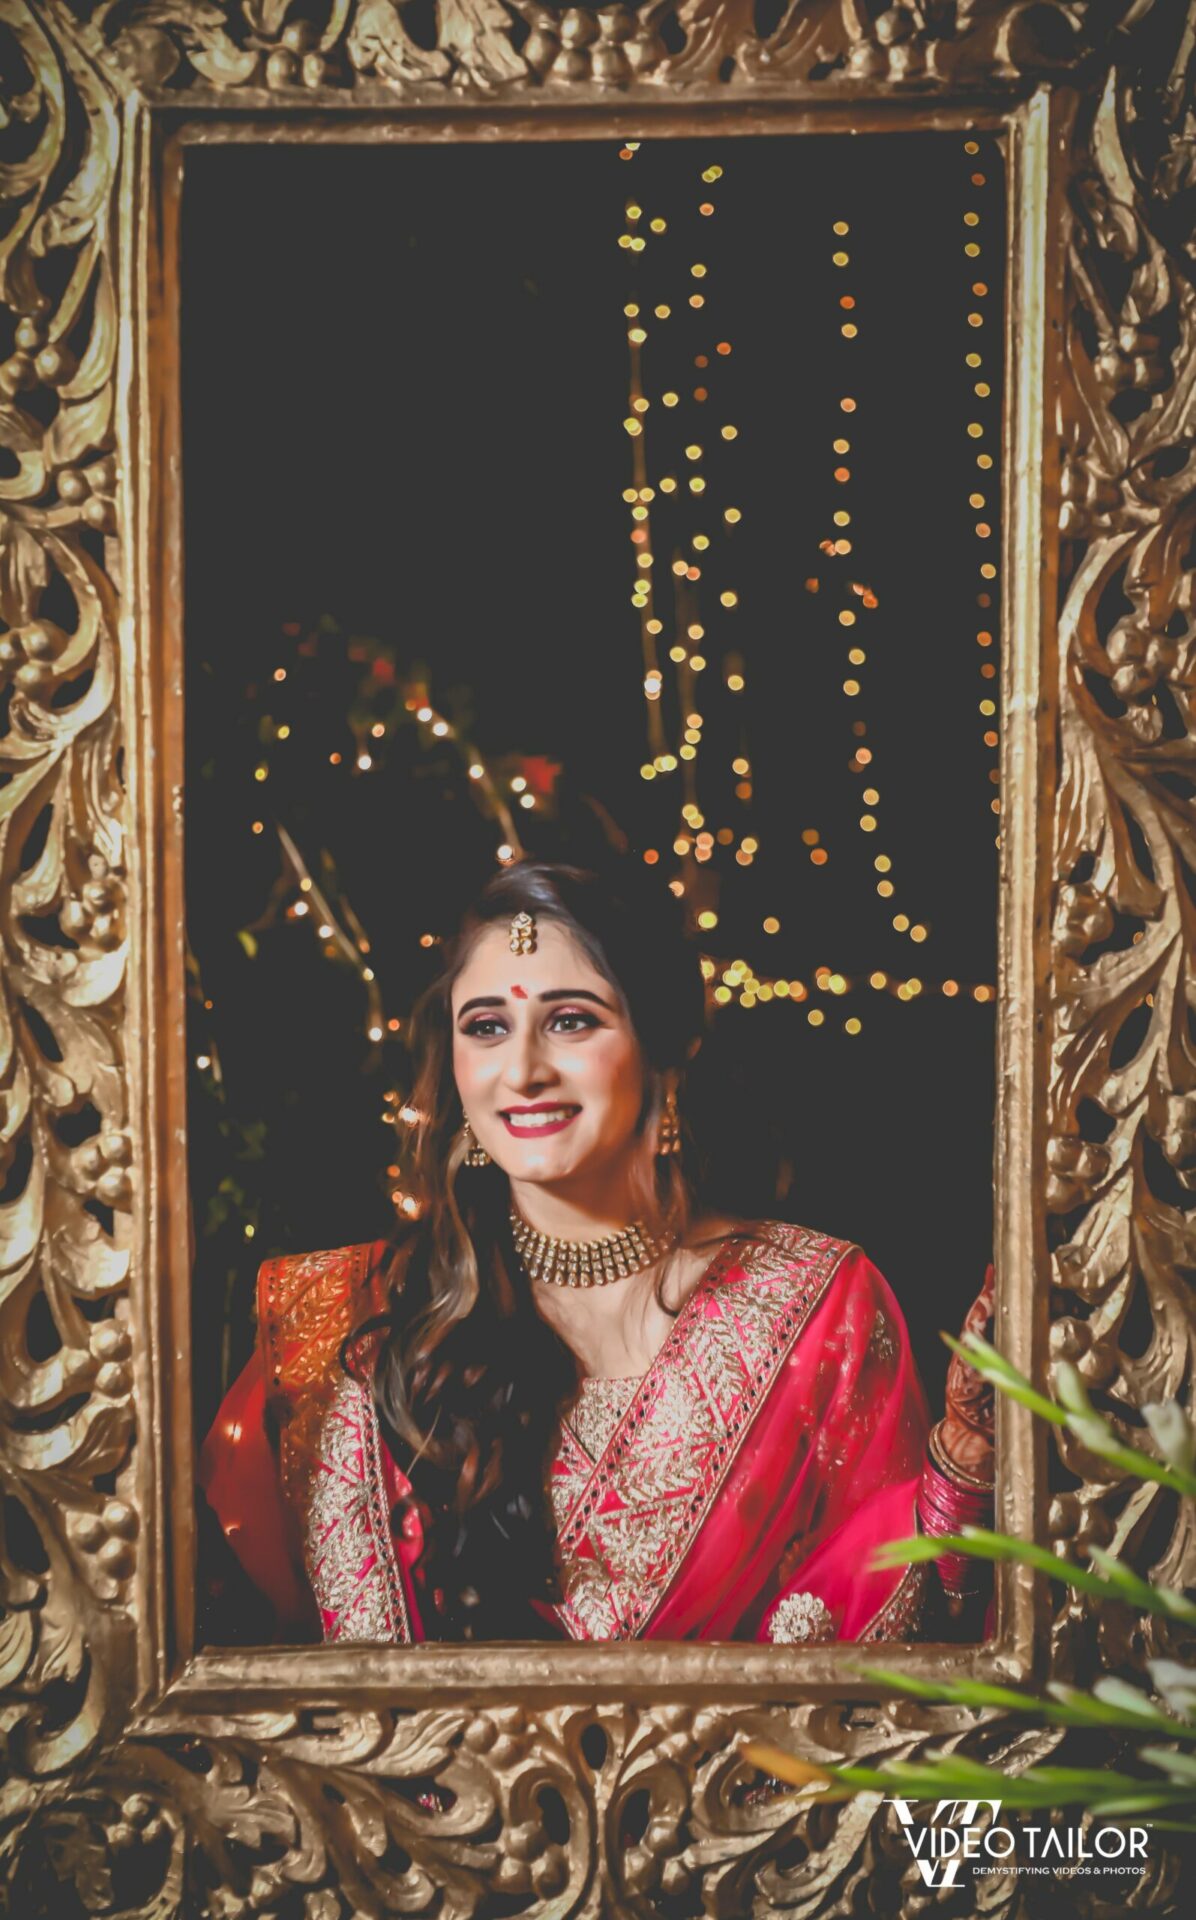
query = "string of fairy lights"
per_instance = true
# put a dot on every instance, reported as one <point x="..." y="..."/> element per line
<point x="693" y="658"/>
<point x="981" y="499"/>
<point x="736" y="981"/>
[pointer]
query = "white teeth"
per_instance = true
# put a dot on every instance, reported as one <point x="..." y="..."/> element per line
<point x="522" y="1120"/>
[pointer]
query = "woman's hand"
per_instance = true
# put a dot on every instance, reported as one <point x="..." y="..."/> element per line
<point x="965" y="1434"/>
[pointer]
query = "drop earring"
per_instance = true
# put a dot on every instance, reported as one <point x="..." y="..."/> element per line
<point x="475" y="1153"/>
<point x="668" y="1138"/>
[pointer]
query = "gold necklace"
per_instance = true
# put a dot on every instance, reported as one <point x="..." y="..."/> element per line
<point x="587" y="1263"/>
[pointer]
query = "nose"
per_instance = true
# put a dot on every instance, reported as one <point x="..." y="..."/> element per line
<point x="528" y="1068"/>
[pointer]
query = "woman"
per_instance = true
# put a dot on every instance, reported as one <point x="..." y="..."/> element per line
<point x="571" y="1404"/>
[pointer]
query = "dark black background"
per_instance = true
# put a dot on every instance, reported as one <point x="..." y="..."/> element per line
<point x="405" y="377"/>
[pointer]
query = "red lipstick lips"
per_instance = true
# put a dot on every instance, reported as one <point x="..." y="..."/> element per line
<point x="513" y="1116"/>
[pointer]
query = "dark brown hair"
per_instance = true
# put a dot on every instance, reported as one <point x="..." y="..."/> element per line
<point x="470" y="1380"/>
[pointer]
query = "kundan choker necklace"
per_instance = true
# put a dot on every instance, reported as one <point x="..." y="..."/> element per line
<point x="587" y="1263"/>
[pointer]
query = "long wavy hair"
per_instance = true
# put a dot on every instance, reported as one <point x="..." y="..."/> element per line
<point x="470" y="1380"/>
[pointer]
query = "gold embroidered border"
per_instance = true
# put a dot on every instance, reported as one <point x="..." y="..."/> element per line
<point x="671" y="1518"/>
<point x="347" y="1520"/>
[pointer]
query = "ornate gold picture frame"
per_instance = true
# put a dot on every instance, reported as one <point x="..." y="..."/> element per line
<point x="140" y="1776"/>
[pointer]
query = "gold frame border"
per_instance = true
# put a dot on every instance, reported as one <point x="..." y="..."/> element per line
<point x="124" y="1749"/>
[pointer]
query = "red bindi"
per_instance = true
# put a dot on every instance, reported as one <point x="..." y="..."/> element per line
<point x="519" y="993"/>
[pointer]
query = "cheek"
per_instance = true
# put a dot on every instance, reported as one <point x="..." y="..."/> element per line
<point x="617" y="1078"/>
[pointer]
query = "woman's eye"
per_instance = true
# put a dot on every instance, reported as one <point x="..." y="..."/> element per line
<point x="570" y="1022"/>
<point x="484" y="1029"/>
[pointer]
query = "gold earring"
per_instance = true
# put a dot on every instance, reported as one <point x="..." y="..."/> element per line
<point x="668" y="1138"/>
<point x="475" y="1153"/>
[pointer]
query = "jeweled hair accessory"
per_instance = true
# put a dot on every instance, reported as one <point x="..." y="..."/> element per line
<point x="523" y="934"/>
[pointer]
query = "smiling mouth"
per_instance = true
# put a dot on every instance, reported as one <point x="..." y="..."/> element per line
<point x="522" y="1122"/>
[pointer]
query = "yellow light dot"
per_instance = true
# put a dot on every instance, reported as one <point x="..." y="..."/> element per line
<point x="700" y="542"/>
<point x="847" y="618"/>
<point x="851" y="688"/>
<point x="901" y="921"/>
<point x="637" y="336"/>
<point x="840" y="259"/>
<point x="698" y="270"/>
<point x="988" y="571"/>
<point x="984" y="460"/>
<point x="974" y="429"/>
<point x="972" y="359"/>
<point x="647" y="772"/>
<point x="741" y="766"/>
<point x="698" y="662"/>
<point x="988" y="706"/>
<point x="697" y="484"/>
<point x="781" y="989"/>
<point x="670" y="399"/>
<point x="688" y="753"/>
<point x="632" y="427"/>
<point x="712" y="174"/>
<point x="729" y="599"/>
<point x="722" y="995"/>
<point x="772" y="925"/>
<point x="815" y="1016"/>
<point x="841" y="446"/>
<point x="971" y="219"/>
<point x="868" y="822"/>
<point x="857" y="656"/>
<point x="732" y="516"/>
<point x="735" y="682"/>
<point x="668" y="485"/>
<point x="852" y="1026"/>
<point x="884" y="888"/>
<point x="882" y="863"/>
<point x="261" y="773"/>
<point x="975" y="319"/>
<point x="849" y="332"/>
<point x="841" y="519"/>
<point x="971" y="146"/>
<point x="662" y="313"/>
<point x="708" y="919"/>
<point x="729" y="433"/>
<point x="870" y="796"/>
<point x="878" y="980"/>
<point x="983" y="389"/>
<point x="950" y="988"/>
<point x="840" y="227"/>
<point x="657" y="226"/>
<point x="696" y="300"/>
<point x="917" y="933"/>
<point x="972" y="250"/>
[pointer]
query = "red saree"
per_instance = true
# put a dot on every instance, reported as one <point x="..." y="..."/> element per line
<point x="735" y="1492"/>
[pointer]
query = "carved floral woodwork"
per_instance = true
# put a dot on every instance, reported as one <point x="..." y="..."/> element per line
<point x="128" y="1783"/>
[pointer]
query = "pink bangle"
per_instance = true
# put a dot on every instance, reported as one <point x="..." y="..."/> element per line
<point x="944" y="1506"/>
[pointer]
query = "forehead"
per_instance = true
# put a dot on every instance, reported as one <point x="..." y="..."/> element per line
<point x="558" y="962"/>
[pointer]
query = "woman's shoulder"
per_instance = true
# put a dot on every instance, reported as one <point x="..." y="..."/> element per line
<point x="310" y="1303"/>
<point x="772" y="1258"/>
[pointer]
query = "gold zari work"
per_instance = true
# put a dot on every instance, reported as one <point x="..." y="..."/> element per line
<point x="329" y="1783"/>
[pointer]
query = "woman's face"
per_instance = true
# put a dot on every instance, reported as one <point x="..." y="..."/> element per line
<point x="547" y="1064"/>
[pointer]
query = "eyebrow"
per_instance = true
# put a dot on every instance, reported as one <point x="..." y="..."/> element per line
<point x="554" y="993"/>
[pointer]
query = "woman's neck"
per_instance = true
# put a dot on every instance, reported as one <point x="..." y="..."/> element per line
<point x="604" y="1204"/>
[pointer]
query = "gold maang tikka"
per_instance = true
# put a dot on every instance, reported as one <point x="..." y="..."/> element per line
<point x="523" y="934"/>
